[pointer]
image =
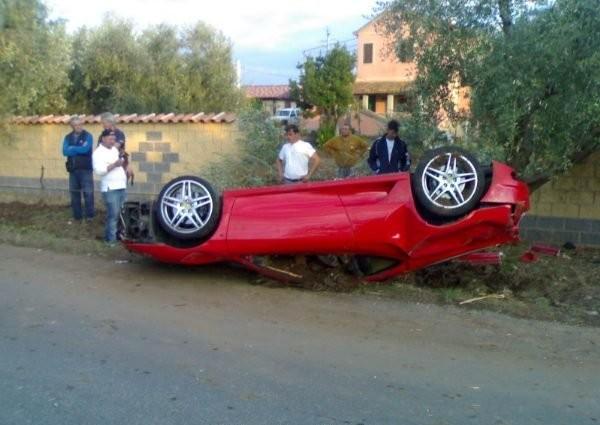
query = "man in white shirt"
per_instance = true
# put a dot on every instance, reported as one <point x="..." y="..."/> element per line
<point x="297" y="160"/>
<point x="113" y="184"/>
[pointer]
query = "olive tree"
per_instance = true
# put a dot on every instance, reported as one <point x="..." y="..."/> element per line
<point x="326" y="82"/>
<point x="34" y="59"/>
<point x="532" y="68"/>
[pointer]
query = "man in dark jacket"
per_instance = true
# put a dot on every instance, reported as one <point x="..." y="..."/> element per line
<point x="77" y="147"/>
<point x="389" y="153"/>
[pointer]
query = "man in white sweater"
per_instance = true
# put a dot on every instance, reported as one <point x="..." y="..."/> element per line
<point x="113" y="184"/>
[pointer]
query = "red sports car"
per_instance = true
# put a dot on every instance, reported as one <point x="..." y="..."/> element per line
<point x="450" y="206"/>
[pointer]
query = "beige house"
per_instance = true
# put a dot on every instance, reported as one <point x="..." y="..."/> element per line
<point x="382" y="82"/>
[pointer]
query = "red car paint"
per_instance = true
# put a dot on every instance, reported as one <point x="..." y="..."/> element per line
<point x="372" y="216"/>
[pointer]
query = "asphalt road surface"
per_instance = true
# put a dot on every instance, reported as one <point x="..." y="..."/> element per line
<point x="92" y="341"/>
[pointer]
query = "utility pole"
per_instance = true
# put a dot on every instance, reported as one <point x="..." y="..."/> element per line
<point x="327" y="35"/>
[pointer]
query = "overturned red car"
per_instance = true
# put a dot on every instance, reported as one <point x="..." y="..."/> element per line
<point x="450" y="206"/>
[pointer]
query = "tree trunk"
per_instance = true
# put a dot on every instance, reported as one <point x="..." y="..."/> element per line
<point x="505" y="9"/>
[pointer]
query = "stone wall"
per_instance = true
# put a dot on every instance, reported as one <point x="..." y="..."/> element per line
<point x="567" y="209"/>
<point x="32" y="166"/>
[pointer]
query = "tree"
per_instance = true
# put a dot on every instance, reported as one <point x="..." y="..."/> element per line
<point x="326" y="82"/>
<point x="34" y="59"/>
<point x="160" y="70"/>
<point x="209" y="74"/>
<point x="78" y="92"/>
<point x="113" y="65"/>
<point x="163" y="84"/>
<point x="533" y="69"/>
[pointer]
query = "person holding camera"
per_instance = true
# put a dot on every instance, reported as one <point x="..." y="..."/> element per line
<point x="77" y="147"/>
<point x="108" y="164"/>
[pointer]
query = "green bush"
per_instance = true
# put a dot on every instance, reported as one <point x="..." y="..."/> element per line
<point x="325" y="132"/>
<point x="258" y="146"/>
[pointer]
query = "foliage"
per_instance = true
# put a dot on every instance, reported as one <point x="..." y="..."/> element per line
<point x="209" y="74"/>
<point x="34" y="59"/>
<point x="325" y="132"/>
<point x="163" y="84"/>
<point x="326" y="82"/>
<point x="258" y="146"/>
<point x="423" y="134"/>
<point x="533" y="69"/>
<point x="161" y="70"/>
<point x="113" y="65"/>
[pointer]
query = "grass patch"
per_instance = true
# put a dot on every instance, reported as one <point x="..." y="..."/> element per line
<point x="564" y="288"/>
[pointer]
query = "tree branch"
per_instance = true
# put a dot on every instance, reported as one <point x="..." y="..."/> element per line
<point x="504" y="7"/>
<point x="520" y="151"/>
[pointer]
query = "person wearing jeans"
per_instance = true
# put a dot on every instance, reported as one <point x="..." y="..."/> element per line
<point x="113" y="184"/>
<point x="114" y="200"/>
<point x="77" y="148"/>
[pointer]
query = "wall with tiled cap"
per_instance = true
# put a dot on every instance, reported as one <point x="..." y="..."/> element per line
<point x="162" y="146"/>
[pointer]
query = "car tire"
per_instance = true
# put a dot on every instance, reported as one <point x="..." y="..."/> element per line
<point x="188" y="207"/>
<point x="448" y="182"/>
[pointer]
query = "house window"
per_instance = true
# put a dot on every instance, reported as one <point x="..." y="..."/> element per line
<point x="368" y="53"/>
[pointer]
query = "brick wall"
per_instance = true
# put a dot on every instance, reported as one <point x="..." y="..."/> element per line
<point x="567" y="209"/>
<point x="32" y="166"/>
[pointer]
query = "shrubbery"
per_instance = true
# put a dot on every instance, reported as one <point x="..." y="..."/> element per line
<point x="254" y="164"/>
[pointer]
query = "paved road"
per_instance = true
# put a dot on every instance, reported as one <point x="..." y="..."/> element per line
<point x="91" y="341"/>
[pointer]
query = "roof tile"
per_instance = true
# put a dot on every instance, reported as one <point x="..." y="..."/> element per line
<point x="268" y="92"/>
<point x="201" y="117"/>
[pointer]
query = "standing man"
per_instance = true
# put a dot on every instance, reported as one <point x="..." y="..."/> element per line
<point x="297" y="160"/>
<point x="346" y="150"/>
<point x="109" y="122"/>
<point x="389" y="153"/>
<point x="77" y="147"/>
<point x="109" y="166"/>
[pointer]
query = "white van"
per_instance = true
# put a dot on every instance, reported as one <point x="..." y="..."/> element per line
<point x="288" y="116"/>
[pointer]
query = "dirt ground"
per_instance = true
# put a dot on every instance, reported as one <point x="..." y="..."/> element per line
<point x="564" y="288"/>
<point x="97" y="341"/>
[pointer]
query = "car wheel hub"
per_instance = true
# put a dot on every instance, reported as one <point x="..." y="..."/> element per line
<point x="186" y="206"/>
<point x="449" y="181"/>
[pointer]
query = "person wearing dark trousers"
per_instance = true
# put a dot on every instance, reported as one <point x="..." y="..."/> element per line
<point x="389" y="153"/>
<point x="77" y="148"/>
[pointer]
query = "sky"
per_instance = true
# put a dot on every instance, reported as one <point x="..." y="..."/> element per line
<point x="270" y="37"/>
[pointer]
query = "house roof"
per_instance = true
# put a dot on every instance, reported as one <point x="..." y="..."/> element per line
<point x="281" y="91"/>
<point x="201" y="117"/>
<point x="382" y="87"/>
<point x="366" y="24"/>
